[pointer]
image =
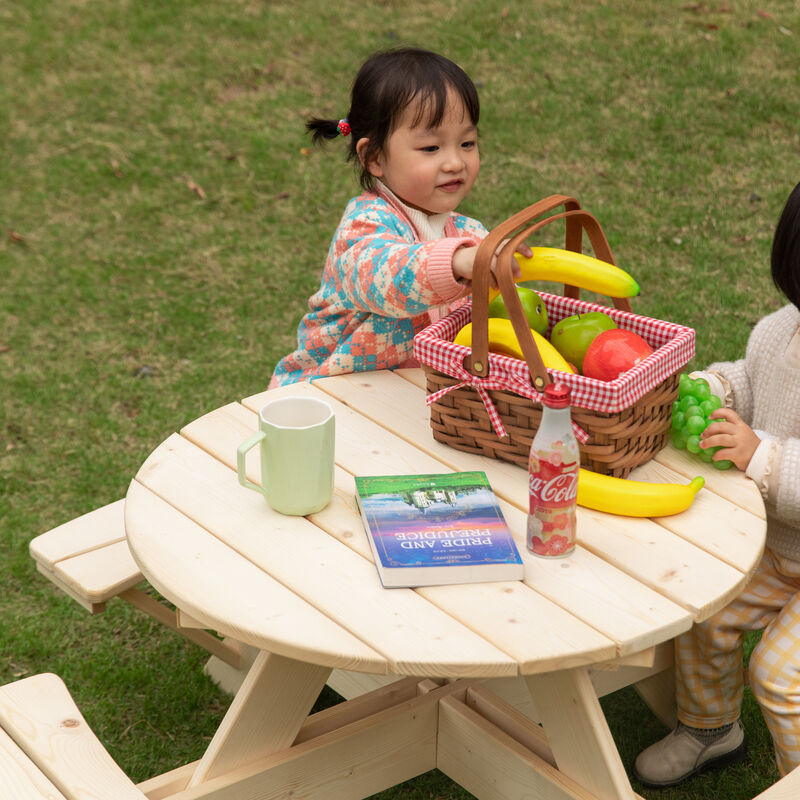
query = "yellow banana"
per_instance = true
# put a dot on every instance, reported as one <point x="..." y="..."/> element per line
<point x="502" y="339"/>
<point x="635" y="498"/>
<point x="575" y="269"/>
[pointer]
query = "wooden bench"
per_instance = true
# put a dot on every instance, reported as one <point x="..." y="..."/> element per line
<point x="88" y="558"/>
<point x="48" y="752"/>
<point x="787" y="788"/>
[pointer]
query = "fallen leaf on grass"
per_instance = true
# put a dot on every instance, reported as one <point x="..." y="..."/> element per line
<point x="15" y="237"/>
<point x="763" y="14"/>
<point x="743" y="239"/>
<point x="196" y="189"/>
<point x="115" y="168"/>
<point x="4" y="348"/>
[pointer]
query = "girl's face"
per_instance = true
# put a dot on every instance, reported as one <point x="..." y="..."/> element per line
<point x="431" y="169"/>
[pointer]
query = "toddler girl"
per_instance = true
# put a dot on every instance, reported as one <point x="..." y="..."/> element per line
<point x="400" y="255"/>
<point x="759" y="430"/>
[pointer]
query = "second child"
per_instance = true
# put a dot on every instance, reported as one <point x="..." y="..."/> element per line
<point x="759" y="430"/>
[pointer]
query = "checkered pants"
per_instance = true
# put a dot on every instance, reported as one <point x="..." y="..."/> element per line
<point x="708" y="659"/>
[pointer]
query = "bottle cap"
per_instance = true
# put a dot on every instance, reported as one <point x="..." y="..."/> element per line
<point x="556" y="395"/>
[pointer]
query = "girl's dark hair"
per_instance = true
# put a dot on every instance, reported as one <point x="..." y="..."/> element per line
<point x="785" y="258"/>
<point x="384" y="87"/>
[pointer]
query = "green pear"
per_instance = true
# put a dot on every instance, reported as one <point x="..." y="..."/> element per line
<point x="532" y="304"/>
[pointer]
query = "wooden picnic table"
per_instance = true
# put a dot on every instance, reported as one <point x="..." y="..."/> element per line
<point x="462" y="670"/>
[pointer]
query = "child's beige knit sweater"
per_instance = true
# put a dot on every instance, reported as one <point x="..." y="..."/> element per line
<point x="764" y="389"/>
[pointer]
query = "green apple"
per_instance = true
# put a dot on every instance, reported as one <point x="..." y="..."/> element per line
<point x="532" y="304"/>
<point x="573" y="335"/>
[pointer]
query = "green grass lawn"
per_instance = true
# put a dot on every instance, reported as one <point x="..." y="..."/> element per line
<point x="163" y="221"/>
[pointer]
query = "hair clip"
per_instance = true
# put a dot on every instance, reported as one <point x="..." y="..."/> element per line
<point x="343" y="127"/>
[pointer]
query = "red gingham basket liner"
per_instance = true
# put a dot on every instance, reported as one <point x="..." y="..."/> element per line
<point x="673" y="347"/>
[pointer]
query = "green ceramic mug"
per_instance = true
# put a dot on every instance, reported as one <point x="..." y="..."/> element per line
<point x="297" y="439"/>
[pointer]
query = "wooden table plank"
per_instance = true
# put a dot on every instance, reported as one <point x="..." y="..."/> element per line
<point x="266" y="613"/>
<point x="661" y="560"/>
<point x="672" y="566"/>
<point x="731" y="484"/>
<point x="716" y="525"/>
<point x="416" y="637"/>
<point x="564" y="638"/>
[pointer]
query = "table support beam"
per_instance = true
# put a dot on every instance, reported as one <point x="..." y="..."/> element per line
<point x="265" y="715"/>
<point x="578" y="732"/>
<point x="493" y="765"/>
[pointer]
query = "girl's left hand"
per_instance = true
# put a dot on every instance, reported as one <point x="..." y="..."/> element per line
<point x="730" y="432"/>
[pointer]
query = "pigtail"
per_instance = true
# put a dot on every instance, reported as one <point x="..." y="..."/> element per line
<point x="326" y="128"/>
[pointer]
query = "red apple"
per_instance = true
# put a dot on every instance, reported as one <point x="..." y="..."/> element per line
<point x="613" y="352"/>
<point x="573" y="335"/>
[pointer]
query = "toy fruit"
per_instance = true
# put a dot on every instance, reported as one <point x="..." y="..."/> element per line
<point x="635" y="498"/>
<point x="613" y="352"/>
<point x="575" y="269"/>
<point x="503" y="340"/>
<point x="532" y="304"/>
<point x="573" y="335"/>
<point x="691" y="415"/>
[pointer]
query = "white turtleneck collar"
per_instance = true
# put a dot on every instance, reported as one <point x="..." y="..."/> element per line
<point x="429" y="226"/>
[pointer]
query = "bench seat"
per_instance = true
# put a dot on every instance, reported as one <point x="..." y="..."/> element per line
<point x="787" y="788"/>
<point x="88" y="557"/>
<point x="48" y="751"/>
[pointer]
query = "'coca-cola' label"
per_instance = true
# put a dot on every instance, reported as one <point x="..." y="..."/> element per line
<point x="556" y="492"/>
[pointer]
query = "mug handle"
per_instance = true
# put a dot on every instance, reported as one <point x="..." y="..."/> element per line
<point x="241" y="452"/>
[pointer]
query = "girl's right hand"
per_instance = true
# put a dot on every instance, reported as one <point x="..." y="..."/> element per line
<point x="464" y="264"/>
<point x="731" y="433"/>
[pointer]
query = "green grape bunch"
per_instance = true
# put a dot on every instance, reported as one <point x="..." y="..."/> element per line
<point x="691" y="415"/>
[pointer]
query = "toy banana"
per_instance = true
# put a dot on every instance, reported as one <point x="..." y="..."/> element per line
<point x="575" y="269"/>
<point x="503" y="339"/>
<point x="635" y="498"/>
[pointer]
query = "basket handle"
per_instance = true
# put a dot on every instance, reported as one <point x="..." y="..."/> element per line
<point x="577" y="220"/>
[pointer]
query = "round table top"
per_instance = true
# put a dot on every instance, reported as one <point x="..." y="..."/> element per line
<point x="306" y="587"/>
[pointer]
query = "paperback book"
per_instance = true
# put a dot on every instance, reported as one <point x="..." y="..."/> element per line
<point x="426" y="530"/>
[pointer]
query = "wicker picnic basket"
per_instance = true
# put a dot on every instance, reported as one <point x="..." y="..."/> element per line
<point x="490" y="404"/>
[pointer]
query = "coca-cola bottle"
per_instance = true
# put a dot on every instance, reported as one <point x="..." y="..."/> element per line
<point x="553" y="477"/>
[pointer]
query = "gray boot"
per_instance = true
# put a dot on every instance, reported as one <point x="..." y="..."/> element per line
<point x="679" y="755"/>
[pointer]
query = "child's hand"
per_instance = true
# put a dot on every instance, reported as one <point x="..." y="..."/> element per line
<point x="733" y="435"/>
<point x="464" y="263"/>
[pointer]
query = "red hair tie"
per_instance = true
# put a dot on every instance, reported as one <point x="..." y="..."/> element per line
<point x="343" y="127"/>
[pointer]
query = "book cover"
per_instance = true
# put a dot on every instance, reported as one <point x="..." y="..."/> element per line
<point x="426" y="530"/>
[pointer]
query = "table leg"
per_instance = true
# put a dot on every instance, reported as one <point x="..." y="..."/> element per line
<point x="578" y="733"/>
<point x="228" y="678"/>
<point x="265" y="715"/>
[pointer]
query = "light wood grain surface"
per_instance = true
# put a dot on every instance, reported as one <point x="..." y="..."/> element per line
<point x="306" y="588"/>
